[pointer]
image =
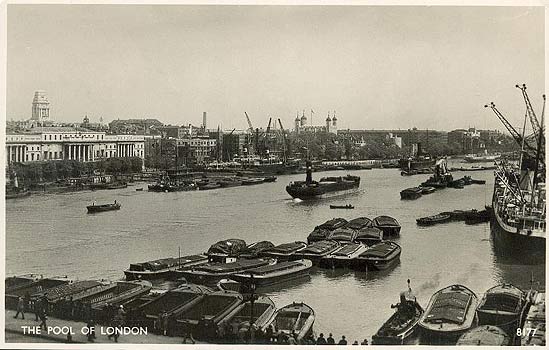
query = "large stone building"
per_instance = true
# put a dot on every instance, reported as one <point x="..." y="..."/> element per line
<point x="39" y="141"/>
<point x="57" y="143"/>
<point x="468" y="141"/>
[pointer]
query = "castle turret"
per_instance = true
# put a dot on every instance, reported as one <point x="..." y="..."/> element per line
<point x="303" y="119"/>
<point x="328" y="123"/>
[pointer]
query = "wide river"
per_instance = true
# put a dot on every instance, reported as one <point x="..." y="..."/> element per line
<point x="52" y="234"/>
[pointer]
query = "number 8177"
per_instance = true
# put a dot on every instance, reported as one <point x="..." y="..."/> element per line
<point x="527" y="332"/>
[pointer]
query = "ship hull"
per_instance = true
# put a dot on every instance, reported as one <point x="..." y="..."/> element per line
<point x="313" y="193"/>
<point x="416" y="164"/>
<point x="509" y="243"/>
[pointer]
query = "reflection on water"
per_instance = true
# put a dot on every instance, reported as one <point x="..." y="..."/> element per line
<point x="53" y="235"/>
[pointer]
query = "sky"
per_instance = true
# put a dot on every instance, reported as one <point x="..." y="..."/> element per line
<point x="378" y="67"/>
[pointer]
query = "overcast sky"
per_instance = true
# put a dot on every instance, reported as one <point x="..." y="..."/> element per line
<point x="379" y="67"/>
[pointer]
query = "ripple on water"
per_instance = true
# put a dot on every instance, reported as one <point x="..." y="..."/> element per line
<point x="55" y="236"/>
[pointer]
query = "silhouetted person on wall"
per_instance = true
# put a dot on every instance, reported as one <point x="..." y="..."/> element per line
<point x="20" y="308"/>
<point x="321" y="340"/>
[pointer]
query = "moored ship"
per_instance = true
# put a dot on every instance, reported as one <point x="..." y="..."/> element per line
<point x="325" y="187"/>
<point x="518" y="201"/>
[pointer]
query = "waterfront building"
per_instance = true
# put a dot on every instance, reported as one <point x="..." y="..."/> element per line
<point x="169" y="152"/>
<point x="468" y="141"/>
<point x="361" y="137"/>
<point x="234" y="143"/>
<point x="425" y="137"/>
<point x="201" y="149"/>
<point x="58" y="143"/>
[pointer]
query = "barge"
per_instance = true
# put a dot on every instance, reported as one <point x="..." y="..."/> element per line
<point x="450" y="313"/>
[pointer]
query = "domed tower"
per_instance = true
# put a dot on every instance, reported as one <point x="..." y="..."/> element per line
<point x="303" y="119"/>
<point x="40" y="107"/>
<point x="334" y="124"/>
<point x="297" y="123"/>
<point x="328" y="123"/>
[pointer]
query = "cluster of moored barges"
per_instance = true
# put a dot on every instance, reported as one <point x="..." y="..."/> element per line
<point x="471" y="217"/>
<point x="205" y="313"/>
<point x="505" y="315"/>
<point x="433" y="184"/>
<point x="441" y="178"/>
<point x="167" y="185"/>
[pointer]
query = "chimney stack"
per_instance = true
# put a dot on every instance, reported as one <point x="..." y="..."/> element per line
<point x="204" y="120"/>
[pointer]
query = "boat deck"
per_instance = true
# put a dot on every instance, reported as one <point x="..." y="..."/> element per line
<point x="279" y="267"/>
<point x="232" y="267"/>
<point x="380" y="250"/>
<point x="449" y="307"/>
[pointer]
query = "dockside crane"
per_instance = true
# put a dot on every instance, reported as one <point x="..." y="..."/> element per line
<point x="269" y="126"/>
<point x="250" y="126"/>
<point x="283" y="140"/>
<point x="536" y="128"/>
<point x="228" y="149"/>
<point x="530" y="150"/>
<point x="252" y="132"/>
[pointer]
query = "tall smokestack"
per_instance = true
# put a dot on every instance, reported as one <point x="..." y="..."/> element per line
<point x="204" y="119"/>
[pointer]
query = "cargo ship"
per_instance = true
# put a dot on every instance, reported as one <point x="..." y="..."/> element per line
<point x="518" y="221"/>
<point x="518" y="209"/>
<point x="326" y="187"/>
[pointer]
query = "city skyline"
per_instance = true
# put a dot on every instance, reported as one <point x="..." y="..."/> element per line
<point x="399" y="67"/>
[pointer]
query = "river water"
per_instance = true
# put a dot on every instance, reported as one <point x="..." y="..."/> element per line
<point x="51" y="234"/>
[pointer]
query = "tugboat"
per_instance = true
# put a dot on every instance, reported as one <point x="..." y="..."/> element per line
<point x="327" y="186"/>
<point x="417" y="161"/>
<point x="518" y="221"/>
<point x="403" y="323"/>
<point x="441" y="177"/>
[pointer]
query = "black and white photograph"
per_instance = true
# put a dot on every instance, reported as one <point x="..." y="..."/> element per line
<point x="312" y="173"/>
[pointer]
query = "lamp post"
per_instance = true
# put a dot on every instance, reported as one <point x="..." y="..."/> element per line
<point x="252" y="299"/>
